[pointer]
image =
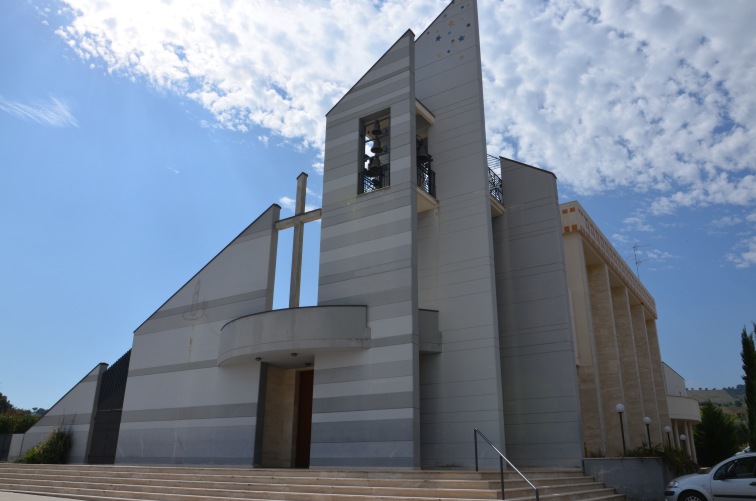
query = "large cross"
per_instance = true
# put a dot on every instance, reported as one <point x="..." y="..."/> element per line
<point x="298" y="221"/>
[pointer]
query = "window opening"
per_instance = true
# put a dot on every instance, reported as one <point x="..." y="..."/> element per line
<point x="375" y="173"/>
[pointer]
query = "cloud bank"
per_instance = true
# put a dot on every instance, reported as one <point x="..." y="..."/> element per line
<point x="652" y="96"/>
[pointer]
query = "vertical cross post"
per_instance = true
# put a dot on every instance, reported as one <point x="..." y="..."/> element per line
<point x="296" y="250"/>
<point x="297" y="221"/>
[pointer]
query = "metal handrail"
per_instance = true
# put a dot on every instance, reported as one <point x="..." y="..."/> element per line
<point x="426" y="178"/>
<point x="366" y="184"/>
<point x="494" y="179"/>
<point x="502" y="458"/>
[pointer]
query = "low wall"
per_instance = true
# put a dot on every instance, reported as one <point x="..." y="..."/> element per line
<point x="640" y="479"/>
<point x="10" y="446"/>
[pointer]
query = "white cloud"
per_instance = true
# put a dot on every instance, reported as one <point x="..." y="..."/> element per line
<point x="658" y="255"/>
<point x="726" y="221"/>
<point x="744" y="254"/>
<point x="238" y="59"/>
<point x="638" y="222"/>
<point x="651" y="96"/>
<point x="290" y="204"/>
<point x="53" y="113"/>
<point x="287" y="203"/>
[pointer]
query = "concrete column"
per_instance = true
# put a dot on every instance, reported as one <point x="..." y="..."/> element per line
<point x="658" y="371"/>
<point x="610" y="389"/>
<point x="635" y="412"/>
<point x="675" y="435"/>
<point x="594" y="436"/>
<point x="646" y="373"/>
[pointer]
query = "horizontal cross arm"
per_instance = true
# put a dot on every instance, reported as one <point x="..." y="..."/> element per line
<point x="307" y="217"/>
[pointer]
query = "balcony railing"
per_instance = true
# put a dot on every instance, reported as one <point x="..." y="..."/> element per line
<point x="426" y="178"/>
<point x="366" y="184"/>
<point x="494" y="180"/>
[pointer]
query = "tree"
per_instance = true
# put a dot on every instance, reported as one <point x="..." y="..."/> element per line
<point x="748" y="355"/>
<point x="17" y="421"/>
<point x="717" y="437"/>
<point x="13" y="420"/>
<point x="5" y="405"/>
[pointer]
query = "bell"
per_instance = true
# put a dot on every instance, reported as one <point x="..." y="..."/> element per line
<point x="377" y="131"/>
<point x="422" y="151"/>
<point x="377" y="148"/>
<point x="374" y="169"/>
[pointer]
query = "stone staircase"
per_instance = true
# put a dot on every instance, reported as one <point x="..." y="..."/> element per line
<point x="153" y="483"/>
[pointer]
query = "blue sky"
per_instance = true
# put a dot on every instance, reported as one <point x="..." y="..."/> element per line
<point x="136" y="140"/>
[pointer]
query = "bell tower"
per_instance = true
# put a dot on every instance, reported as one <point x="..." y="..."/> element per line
<point x="368" y="256"/>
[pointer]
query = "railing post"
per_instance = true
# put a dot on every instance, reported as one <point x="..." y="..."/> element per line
<point x="501" y="474"/>
<point x="475" y="441"/>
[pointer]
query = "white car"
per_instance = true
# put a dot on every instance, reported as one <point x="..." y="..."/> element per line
<point x="733" y="478"/>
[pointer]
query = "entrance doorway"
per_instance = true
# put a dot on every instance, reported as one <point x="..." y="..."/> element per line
<point x="287" y="421"/>
<point x="304" y="418"/>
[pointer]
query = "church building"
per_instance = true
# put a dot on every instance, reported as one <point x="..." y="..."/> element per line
<point x="454" y="294"/>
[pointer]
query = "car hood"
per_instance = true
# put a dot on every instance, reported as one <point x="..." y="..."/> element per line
<point x="691" y="476"/>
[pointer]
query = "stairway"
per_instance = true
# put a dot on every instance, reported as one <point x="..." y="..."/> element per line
<point x="175" y="483"/>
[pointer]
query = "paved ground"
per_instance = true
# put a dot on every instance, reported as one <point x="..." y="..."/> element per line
<point x="11" y="496"/>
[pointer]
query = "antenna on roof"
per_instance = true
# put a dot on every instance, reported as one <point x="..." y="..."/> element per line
<point x="638" y="261"/>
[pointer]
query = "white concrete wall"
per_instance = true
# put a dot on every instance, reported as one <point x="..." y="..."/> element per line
<point x="542" y="411"/>
<point x="366" y="403"/>
<point x="674" y="383"/>
<point x="72" y="413"/>
<point x="461" y="386"/>
<point x="17" y="442"/>
<point x="180" y="407"/>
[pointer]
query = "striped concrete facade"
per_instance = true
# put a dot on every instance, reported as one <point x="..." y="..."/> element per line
<point x="461" y="385"/>
<point x="439" y="310"/>
<point x="540" y="387"/>
<point x="366" y="403"/>
<point x="74" y="413"/>
<point x="180" y="406"/>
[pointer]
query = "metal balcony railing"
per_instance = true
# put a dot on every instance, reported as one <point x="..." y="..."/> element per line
<point x="494" y="180"/>
<point x="426" y="178"/>
<point x="366" y="184"/>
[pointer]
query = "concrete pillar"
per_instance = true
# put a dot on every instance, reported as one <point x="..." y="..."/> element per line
<point x="594" y="436"/>
<point x="646" y="373"/>
<point x="610" y="388"/>
<point x="635" y="412"/>
<point x="658" y="370"/>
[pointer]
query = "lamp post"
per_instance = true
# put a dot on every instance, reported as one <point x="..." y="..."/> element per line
<point x="647" y="422"/>
<point x="620" y="409"/>
<point x="668" y="431"/>
<point x="683" y="438"/>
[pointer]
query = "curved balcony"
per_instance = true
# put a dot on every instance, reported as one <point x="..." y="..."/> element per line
<point x="683" y="408"/>
<point x="273" y="336"/>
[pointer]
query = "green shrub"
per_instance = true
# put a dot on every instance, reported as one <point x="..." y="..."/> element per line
<point x="52" y="450"/>
<point x="677" y="461"/>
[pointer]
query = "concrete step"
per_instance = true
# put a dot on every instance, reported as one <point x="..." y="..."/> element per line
<point x="178" y="483"/>
<point x="230" y="481"/>
<point x="266" y="490"/>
